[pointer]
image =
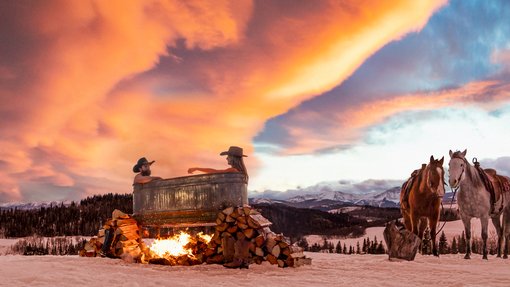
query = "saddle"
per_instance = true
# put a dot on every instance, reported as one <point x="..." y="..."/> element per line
<point x="496" y="185"/>
<point x="406" y="186"/>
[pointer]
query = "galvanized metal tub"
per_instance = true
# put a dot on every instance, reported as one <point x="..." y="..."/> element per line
<point x="188" y="201"/>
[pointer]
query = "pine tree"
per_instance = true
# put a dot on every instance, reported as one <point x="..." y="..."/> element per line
<point x="380" y="248"/>
<point x="474" y="246"/>
<point x="338" y="248"/>
<point x="443" y="244"/>
<point x="454" y="249"/>
<point x="426" y="246"/>
<point x="462" y="244"/>
<point x="345" y="249"/>
<point x="358" y="251"/>
<point x="325" y="245"/>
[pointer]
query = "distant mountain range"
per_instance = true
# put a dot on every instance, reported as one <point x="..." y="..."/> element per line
<point x="324" y="196"/>
<point x="330" y="196"/>
<point x="32" y="205"/>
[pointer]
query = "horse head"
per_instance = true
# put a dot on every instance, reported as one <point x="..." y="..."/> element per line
<point x="435" y="176"/>
<point x="457" y="167"/>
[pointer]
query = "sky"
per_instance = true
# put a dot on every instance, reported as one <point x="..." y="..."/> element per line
<point x="313" y="91"/>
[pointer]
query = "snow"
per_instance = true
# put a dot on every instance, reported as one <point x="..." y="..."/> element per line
<point x="326" y="270"/>
<point x="451" y="228"/>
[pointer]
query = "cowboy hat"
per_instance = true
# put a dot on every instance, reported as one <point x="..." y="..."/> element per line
<point x="234" y="151"/>
<point x="141" y="162"/>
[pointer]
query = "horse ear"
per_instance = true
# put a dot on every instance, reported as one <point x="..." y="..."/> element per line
<point x="464" y="152"/>
<point x="431" y="158"/>
<point x="451" y="153"/>
<point x="441" y="160"/>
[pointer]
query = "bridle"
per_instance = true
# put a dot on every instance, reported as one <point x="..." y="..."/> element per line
<point x="454" y="190"/>
<point x="463" y="170"/>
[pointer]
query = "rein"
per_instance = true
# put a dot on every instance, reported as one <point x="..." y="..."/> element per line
<point x="451" y="203"/>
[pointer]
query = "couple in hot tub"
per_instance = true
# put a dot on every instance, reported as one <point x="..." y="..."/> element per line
<point x="234" y="159"/>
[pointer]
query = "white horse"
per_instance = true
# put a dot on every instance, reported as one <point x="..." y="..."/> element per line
<point x="474" y="201"/>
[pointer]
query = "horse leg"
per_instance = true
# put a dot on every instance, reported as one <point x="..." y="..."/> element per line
<point x="433" y="226"/>
<point x="415" y="220"/>
<point x="499" y="230"/>
<point x="466" y="220"/>
<point x="407" y="221"/>
<point x="506" y="231"/>
<point x="422" y="224"/>
<point x="485" y="222"/>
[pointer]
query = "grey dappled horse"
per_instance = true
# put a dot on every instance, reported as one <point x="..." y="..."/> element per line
<point x="474" y="201"/>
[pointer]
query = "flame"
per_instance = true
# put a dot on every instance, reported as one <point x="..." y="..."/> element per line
<point x="205" y="237"/>
<point x="178" y="245"/>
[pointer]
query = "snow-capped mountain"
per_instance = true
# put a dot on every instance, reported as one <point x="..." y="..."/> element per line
<point x="378" y="193"/>
<point x="31" y="205"/>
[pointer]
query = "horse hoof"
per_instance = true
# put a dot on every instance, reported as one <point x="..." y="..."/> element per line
<point x="467" y="256"/>
<point x="485" y="257"/>
<point x="505" y="257"/>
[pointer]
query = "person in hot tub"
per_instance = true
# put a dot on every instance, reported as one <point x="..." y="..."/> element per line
<point x="143" y="168"/>
<point x="234" y="159"/>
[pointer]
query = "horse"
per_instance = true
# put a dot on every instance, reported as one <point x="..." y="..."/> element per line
<point x="474" y="200"/>
<point x="421" y="197"/>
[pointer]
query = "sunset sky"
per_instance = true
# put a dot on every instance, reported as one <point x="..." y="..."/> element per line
<point x="312" y="90"/>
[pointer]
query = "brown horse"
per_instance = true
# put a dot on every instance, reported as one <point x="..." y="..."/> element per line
<point x="421" y="197"/>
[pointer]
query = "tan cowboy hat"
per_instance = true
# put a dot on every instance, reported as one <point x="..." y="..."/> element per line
<point x="234" y="151"/>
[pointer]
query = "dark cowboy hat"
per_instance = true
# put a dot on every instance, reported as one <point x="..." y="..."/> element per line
<point x="235" y="151"/>
<point x="141" y="162"/>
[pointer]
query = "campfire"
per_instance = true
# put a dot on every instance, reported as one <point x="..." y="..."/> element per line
<point x="242" y="236"/>
<point x="180" y="249"/>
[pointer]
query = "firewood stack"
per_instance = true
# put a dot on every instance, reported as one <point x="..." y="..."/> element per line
<point x="243" y="234"/>
<point x="126" y="238"/>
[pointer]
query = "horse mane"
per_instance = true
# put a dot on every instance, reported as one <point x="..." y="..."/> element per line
<point x="470" y="170"/>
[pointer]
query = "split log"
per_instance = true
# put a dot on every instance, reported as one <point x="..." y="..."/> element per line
<point x="228" y="210"/>
<point x="401" y="243"/>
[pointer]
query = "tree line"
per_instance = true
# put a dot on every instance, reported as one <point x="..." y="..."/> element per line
<point x="83" y="218"/>
<point x="368" y="247"/>
<point x="36" y="245"/>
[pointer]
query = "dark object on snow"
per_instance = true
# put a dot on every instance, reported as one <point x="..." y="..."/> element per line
<point x="401" y="243"/>
<point x="108" y="238"/>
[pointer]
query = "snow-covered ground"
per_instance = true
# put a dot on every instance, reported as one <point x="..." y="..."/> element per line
<point x="326" y="270"/>
<point x="451" y="229"/>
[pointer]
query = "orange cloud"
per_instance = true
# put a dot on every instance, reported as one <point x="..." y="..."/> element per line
<point x="84" y="92"/>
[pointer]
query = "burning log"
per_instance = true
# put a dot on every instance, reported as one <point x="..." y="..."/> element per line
<point x="243" y="236"/>
<point x="182" y="249"/>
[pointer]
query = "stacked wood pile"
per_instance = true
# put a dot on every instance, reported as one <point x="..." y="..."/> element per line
<point x="243" y="234"/>
<point x="126" y="238"/>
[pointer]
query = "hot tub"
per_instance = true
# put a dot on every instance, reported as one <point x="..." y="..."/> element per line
<point x="188" y="201"/>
